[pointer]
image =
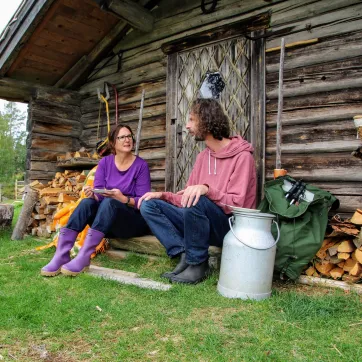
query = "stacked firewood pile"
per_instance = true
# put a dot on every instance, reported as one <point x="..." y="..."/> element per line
<point x="340" y="256"/>
<point x="64" y="189"/>
<point x="77" y="158"/>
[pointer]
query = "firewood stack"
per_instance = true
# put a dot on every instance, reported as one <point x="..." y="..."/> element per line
<point x="64" y="189"/>
<point x="340" y="256"/>
<point x="79" y="158"/>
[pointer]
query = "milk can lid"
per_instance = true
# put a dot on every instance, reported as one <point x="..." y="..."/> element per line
<point x="242" y="210"/>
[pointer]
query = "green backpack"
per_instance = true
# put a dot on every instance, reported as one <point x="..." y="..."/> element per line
<point x="302" y="227"/>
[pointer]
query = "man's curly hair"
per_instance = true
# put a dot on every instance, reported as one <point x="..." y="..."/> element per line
<point x="212" y="118"/>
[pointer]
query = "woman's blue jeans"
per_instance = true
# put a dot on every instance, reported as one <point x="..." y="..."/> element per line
<point x="110" y="217"/>
<point x="191" y="229"/>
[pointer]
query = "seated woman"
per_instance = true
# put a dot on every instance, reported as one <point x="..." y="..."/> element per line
<point x="113" y="212"/>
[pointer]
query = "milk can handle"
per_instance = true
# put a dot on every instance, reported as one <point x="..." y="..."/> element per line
<point x="250" y="246"/>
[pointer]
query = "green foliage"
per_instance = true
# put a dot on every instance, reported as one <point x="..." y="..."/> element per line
<point x="91" y="319"/>
<point x="13" y="147"/>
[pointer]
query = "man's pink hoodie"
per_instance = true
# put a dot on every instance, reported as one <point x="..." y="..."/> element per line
<point x="229" y="173"/>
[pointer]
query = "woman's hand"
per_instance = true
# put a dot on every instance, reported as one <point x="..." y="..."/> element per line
<point x="116" y="194"/>
<point x="88" y="191"/>
<point x="149" y="196"/>
<point x="191" y="195"/>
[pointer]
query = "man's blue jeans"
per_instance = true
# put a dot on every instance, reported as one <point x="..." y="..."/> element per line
<point x="190" y="229"/>
<point x="110" y="217"/>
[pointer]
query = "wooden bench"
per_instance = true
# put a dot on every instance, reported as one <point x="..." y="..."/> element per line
<point x="150" y="245"/>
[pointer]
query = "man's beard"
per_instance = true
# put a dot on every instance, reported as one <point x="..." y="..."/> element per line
<point x="200" y="136"/>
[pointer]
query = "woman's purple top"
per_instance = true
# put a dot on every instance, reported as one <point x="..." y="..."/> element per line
<point x="134" y="182"/>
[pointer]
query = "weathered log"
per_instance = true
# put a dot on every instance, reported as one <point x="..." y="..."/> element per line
<point x="325" y="25"/>
<point x="6" y="215"/>
<point x="127" y="96"/>
<point x="349" y="47"/>
<point x="31" y="197"/>
<point x="329" y="283"/>
<point x="320" y="114"/>
<point x="148" y="72"/>
<point x="134" y="14"/>
<point x="126" y="278"/>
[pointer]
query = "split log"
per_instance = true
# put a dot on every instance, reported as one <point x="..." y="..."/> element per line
<point x="346" y="246"/>
<point x="310" y="271"/>
<point x="336" y="273"/>
<point x="357" y="217"/>
<point x="64" y="188"/>
<point x="357" y="255"/>
<point x="340" y="256"/>
<point x="349" y="265"/>
<point x="343" y="256"/>
<point x="6" y="215"/>
<point x="356" y="270"/>
<point x="324" y="268"/>
<point x="31" y="197"/>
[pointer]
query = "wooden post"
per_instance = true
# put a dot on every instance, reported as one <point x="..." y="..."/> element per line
<point x="6" y="215"/>
<point x="1" y="198"/>
<point x="171" y="122"/>
<point x="278" y="164"/>
<point x="257" y="108"/>
<point x="138" y="134"/>
<point x="16" y="190"/>
<point x="29" y="202"/>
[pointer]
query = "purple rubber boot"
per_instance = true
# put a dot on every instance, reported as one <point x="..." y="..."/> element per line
<point x="81" y="262"/>
<point x="66" y="241"/>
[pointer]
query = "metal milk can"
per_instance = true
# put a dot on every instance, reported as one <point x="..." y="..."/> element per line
<point x="248" y="256"/>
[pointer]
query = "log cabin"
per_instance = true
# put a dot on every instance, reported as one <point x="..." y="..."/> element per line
<point x="54" y="54"/>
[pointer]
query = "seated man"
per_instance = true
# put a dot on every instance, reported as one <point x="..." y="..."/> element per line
<point x="187" y="222"/>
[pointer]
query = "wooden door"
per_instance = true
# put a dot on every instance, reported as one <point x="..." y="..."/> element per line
<point x="186" y="71"/>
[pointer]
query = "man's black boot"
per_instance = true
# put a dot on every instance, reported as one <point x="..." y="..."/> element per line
<point x="193" y="274"/>
<point x="180" y="267"/>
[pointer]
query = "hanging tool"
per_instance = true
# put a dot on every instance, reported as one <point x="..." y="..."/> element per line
<point x="138" y="134"/>
<point x="279" y="171"/>
<point x="102" y="145"/>
<point x="115" y="99"/>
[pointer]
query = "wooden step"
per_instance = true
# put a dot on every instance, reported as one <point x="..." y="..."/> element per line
<point x="149" y="244"/>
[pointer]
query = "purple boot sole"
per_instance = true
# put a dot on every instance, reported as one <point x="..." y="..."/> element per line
<point x="82" y="261"/>
<point x="66" y="241"/>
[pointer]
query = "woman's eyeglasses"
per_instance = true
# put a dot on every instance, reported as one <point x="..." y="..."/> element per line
<point x="122" y="138"/>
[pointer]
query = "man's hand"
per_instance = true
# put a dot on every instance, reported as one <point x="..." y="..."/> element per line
<point x="191" y="195"/>
<point x="149" y="196"/>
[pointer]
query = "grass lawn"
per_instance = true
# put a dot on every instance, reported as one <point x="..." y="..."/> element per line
<point x="89" y="319"/>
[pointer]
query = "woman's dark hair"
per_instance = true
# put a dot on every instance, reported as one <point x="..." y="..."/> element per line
<point x="113" y="134"/>
<point x="212" y="118"/>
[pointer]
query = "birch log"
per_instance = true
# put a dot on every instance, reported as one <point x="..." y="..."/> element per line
<point x="29" y="202"/>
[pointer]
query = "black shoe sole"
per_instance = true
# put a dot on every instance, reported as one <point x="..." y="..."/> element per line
<point x="168" y="275"/>
<point x="185" y="281"/>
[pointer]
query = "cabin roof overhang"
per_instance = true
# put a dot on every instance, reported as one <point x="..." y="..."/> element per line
<point x="58" y="42"/>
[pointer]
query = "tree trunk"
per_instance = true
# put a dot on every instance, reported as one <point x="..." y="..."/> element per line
<point x="6" y="215"/>
<point x="29" y="202"/>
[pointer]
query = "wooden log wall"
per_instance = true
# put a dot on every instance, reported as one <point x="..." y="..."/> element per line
<point x="54" y="128"/>
<point x="323" y="84"/>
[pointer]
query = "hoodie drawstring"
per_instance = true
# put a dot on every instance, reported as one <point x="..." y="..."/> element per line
<point x="210" y="164"/>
